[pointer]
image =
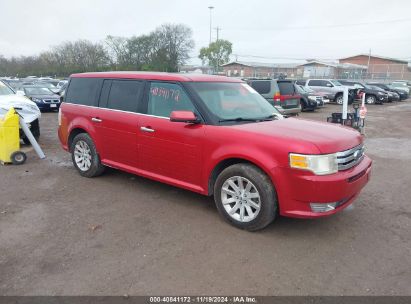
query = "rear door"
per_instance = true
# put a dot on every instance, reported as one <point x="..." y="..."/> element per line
<point x="171" y="151"/>
<point x="288" y="95"/>
<point x="117" y="121"/>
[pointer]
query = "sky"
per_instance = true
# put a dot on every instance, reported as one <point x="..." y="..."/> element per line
<point x="260" y="30"/>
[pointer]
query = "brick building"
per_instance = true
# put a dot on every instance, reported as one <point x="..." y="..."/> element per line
<point x="381" y="67"/>
<point x="258" y="69"/>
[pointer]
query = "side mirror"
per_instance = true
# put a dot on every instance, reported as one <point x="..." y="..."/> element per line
<point x="184" y="116"/>
<point x="329" y="85"/>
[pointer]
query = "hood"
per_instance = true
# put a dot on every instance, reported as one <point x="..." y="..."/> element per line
<point x="42" y="96"/>
<point x="29" y="110"/>
<point x="327" y="137"/>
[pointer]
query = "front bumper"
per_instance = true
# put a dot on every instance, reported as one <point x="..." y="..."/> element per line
<point x="296" y="189"/>
<point x="48" y="106"/>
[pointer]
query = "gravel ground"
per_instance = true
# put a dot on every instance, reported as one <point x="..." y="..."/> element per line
<point x="61" y="234"/>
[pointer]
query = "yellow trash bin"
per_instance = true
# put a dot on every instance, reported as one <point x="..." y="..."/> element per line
<point x="10" y="139"/>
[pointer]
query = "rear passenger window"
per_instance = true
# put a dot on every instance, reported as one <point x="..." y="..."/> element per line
<point x="286" y="87"/>
<point x="262" y="87"/>
<point x="83" y="91"/>
<point x="316" y="83"/>
<point x="124" y="95"/>
<point x="164" y="98"/>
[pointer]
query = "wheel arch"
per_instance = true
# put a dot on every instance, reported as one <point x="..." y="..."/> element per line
<point x="227" y="162"/>
<point x="73" y="133"/>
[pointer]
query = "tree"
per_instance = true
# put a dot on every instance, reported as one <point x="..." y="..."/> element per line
<point x="217" y="53"/>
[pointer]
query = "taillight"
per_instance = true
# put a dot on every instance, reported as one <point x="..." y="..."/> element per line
<point x="277" y="96"/>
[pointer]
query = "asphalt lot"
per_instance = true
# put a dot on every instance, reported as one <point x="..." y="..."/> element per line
<point x="118" y="234"/>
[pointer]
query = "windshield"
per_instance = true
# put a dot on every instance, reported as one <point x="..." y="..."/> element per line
<point x="233" y="100"/>
<point x="37" y="91"/>
<point x="336" y="83"/>
<point x="5" y="90"/>
<point x="46" y="85"/>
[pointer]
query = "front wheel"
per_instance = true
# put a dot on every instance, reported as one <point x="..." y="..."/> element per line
<point x="85" y="157"/>
<point x="370" y="99"/>
<point x="245" y="197"/>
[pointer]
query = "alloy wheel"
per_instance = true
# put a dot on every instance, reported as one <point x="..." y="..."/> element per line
<point x="241" y="199"/>
<point x="82" y="155"/>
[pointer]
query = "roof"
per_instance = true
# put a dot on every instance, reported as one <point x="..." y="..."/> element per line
<point x="157" y="76"/>
<point x="263" y="64"/>
<point x="336" y="64"/>
<point x="376" y="56"/>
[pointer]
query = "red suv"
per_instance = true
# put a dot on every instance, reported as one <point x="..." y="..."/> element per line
<point x="215" y="136"/>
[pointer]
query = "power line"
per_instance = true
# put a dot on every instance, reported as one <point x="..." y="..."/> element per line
<point x="324" y="26"/>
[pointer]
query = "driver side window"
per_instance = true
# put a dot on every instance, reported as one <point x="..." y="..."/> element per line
<point x="164" y="98"/>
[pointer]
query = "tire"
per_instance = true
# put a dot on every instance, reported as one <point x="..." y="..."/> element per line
<point x="339" y="99"/>
<point x="85" y="157"/>
<point x="18" y="158"/>
<point x="230" y="199"/>
<point x="302" y="104"/>
<point x="35" y="130"/>
<point x="370" y="99"/>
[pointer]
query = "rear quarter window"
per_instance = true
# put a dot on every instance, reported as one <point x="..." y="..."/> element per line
<point x="83" y="91"/>
<point x="262" y="87"/>
<point x="286" y="88"/>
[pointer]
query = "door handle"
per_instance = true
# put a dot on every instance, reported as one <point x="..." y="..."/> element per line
<point x="147" y="129"/>
<point x="96" y="119"/>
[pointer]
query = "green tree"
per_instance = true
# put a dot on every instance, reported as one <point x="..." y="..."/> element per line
<point x="217" y="53"/>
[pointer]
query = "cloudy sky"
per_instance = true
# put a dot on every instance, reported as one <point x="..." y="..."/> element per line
<point x="260" y="30"/>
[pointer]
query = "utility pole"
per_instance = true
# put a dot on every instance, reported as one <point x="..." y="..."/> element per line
<point x="368" y="64"/>
<point x="210" y="8"/>
<point x="218" y="29"/>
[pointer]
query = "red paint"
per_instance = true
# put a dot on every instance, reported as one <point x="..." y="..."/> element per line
<point x="185" y="155"/>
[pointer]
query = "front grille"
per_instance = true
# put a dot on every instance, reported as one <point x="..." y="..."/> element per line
<point x="349" y="158"/>
<point x="51" y="100"/>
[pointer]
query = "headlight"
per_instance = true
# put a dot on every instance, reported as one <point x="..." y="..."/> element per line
<point x="380" y="93"/>
<point x="312" y="98"/>
<point x="36" y="99"/>
<point x="318" y="164"/>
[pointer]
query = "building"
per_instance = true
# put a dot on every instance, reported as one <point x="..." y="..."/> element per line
<point x="259" y="69"/>
<point x="380" y="67"/>
<point x="320" y="69"/>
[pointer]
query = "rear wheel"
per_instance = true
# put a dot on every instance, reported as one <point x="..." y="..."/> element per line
<point x="245" y="197"/>
<point x="85" y="157"/>
<point x="339" y="99"/>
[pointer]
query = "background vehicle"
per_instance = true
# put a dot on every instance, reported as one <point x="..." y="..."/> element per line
<point x="282" y="94"/>
<point x="309" y="99"/>
<point x="401" y="86"/>
<point x="331" y="87"/>
<point x="372" y="95"/>
<point x="27" y="109"/>
<point x="43" y="97"/>
<point x="387" y="87"/>
<point x="48" y="85"/>
<point x="392" y="96"/>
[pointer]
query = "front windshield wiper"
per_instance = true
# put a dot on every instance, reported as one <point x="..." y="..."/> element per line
<point x="238" y="119"/>
<point x="267" y="118"/>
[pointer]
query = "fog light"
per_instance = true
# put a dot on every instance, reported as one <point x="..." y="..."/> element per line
<point x="317" y="207"/>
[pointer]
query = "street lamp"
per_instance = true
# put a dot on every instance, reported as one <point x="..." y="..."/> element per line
<point x="210" y="8"/>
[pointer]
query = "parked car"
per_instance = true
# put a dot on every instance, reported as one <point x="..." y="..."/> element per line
<point x="372" y="95"/>
<point x="309" y="99"/>
<point x="43" y="97"/>
<point x="401" y="86"/>
<point x="212" y="135"/>
<point x="26" y="108"/>
<point x="403" y="95"/>
<point x="392" y="96"/>
<point x="280" y="93"/>
<point x="331" y="87"/>
<point x="61" y="83"/>
<point x="48" y="85"/>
